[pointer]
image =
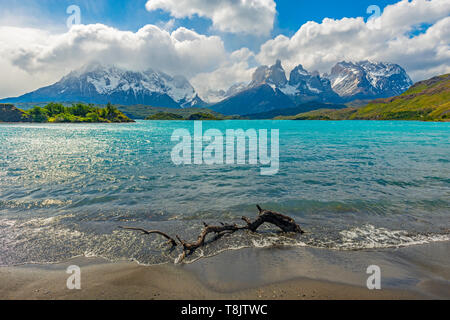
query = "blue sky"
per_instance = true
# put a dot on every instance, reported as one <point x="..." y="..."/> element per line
<point x="131" y="14"/>
<point x="293" y="14"/>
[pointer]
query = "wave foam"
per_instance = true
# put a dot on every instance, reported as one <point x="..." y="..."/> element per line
<point x="371" y="237"/>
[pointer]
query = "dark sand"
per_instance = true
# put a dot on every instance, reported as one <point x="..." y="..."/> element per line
<point x="418" y="272"/>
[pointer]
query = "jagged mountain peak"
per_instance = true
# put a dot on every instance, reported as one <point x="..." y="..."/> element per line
<point x="302" y="85"/>
<point x="300" y="70"/>
<point x="274" y="75"/>
<point x="305" y="86"/>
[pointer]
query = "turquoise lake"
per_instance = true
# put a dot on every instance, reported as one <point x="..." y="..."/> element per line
<point x="352" y="185"/>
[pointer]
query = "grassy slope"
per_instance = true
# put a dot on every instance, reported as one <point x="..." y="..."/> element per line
<point x="306" y="107"/>
<point x="165" y="116"/>
<point x="323" y="114"/>
<point x="427" y="100"/>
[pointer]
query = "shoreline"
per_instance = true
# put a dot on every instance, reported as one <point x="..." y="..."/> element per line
<point x="247" y="274"/>
<point x="222" y="120"/>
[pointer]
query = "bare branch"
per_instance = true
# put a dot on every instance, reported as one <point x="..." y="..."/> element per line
<point x="148" y="232"/>
<point x="285" y="223"/>
<point x="207" y="230"/>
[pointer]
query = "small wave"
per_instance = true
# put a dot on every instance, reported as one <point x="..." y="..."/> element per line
<point x="7" y="223"/>
<point x="37" y="204"/>
<point x="276" y="241"/>
<point x="371" y="237"/>
<point x="50" y="239"/>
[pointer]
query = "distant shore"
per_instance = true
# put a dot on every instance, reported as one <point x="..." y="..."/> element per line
<point x="256" y="274"/>
<point x="59" y="113"/>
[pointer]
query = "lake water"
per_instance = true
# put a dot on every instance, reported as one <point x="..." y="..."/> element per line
<point x="352" y="185"/>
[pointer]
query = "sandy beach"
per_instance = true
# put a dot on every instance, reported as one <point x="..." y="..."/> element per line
<point x="129" y="281"/>
<point x="249" y="274"/>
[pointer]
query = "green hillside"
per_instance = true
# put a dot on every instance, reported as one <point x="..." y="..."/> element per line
<point x="302" y="108"/>
<point x="323" y="114"/>
<point x="427" y="100"/>
<point x="159" y="113"/>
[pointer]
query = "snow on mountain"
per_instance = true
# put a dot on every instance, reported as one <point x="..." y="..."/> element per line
<point x="214" y="96"/>
<point x="367" y="79"/>
<point x="274" y="76"/>
<point x="97" y="83"/>
<point x="301" y="87"/>
<point x="109" y="79"/>
<point x="304" y="86"/>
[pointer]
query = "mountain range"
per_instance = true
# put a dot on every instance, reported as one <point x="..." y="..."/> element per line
<point x="101" y="84"/>
<point x="269" y="89"/>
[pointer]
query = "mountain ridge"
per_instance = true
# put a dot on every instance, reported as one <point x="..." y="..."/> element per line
<point x="368" y="80"/>
<point x="100" y="84"/>
<point x="346" y="82"/>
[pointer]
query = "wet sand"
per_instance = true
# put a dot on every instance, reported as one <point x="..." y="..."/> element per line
<point x="419" y="272"/>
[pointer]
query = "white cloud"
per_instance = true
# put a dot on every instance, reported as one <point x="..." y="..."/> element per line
<point x="235" y="16"/>
<point x="236" y="69"/>
<point x="169" y="25"/>
<point x="318" y="46"/>
<point x="38" y="54"/>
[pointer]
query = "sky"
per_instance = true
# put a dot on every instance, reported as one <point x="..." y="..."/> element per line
<point x="216" y="43"/>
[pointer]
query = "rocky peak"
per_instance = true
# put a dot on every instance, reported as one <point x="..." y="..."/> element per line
<point x="368" y="79"/>
<point x="273" y="75"/>
<point x="298" y="74"/>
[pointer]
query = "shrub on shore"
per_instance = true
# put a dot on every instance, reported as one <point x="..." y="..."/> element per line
<point x="77" y="113"/>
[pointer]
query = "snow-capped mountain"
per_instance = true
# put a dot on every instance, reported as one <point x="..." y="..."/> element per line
<point x="270" y="89"/>
<point x="367" y="80"/>
<point x="96" y="83"/>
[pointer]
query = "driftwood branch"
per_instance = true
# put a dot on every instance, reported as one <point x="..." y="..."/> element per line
<point x="285" y="223"/>
<point x="190" y="247"/>
<point x="171" y="240"/>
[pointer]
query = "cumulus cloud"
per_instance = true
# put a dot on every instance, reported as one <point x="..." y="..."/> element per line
<point x="36" y="52"/>
<point x="183" y="50"/>
<point x="234" y="70"/>
<point x="392" y="38"/>
<point x="234" y="16"/>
